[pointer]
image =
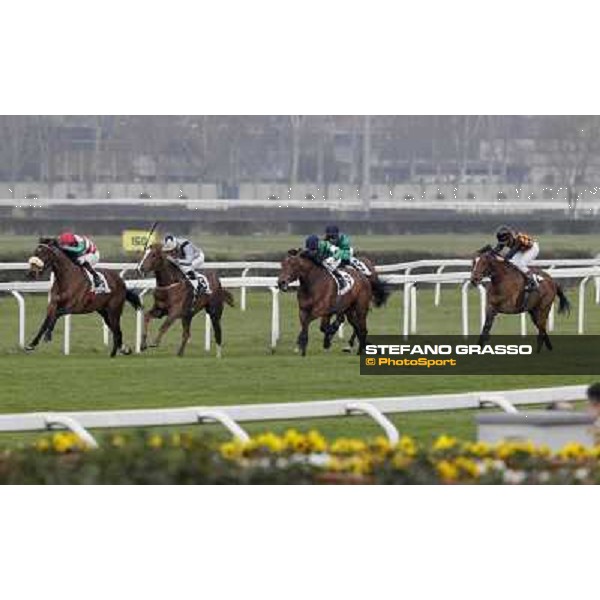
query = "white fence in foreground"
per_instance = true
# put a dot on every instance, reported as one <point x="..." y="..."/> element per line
<point x="231" y="416"/>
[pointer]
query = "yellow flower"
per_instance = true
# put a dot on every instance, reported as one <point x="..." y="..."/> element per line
<point x="573" y="450"/>
<point x="347" y="446"/>
<point x="267" y="441"/>
<point x="407" y="446"/>
<point x="155" y="441"/>
<point x="316" y="442"/>
<point x="66" y="441"/>
<point x="467" y="465"/>
<point x="232" y="450"/>
<point x="447" y="471"/>
<point x="479" y="449"/>
<point x="444" y="442"/>
<point x="176" y="440"/>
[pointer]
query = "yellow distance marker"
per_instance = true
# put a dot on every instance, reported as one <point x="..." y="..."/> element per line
<point x="134" y="240"/>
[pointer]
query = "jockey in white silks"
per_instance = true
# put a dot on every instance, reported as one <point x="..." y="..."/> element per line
<point x="189" y="258"/>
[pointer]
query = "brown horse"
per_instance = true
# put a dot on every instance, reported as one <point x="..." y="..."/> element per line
<point x="506" y="294"/>
<point x="318" y="298"/>
<point x="71" y="294"/>
<point x="174" y="297"/>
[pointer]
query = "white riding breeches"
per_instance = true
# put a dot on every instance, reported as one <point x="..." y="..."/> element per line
<point x="332" y="263"/>
<point x="91" y="259"/>
<point x="521" y="260"/>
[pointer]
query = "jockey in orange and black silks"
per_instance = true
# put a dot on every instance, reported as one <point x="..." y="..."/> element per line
<point x="522" y="250"/>
<point x="83" y="252"/>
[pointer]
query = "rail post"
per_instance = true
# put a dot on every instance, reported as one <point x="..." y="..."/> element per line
<point x="368" y="409"/>
<point x="243" y="290"/>
<point x="21" y="305"/>
<point x="464" y="296"/>
<point x="274" y="317"/>
<point x="207" y="330"/>
<point x="218" y="416"/>
<point x="413" y="309"/>
<point x="581" y="311"/>
<point x="406" y="301"/>
<point x="438" y="287"/>
<point x="482" y="305"/>
<point x="53" y="421"/>
<point x="139" y="324"/>
<point x="67" y="336"/>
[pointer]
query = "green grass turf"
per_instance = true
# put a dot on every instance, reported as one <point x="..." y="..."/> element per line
<point x="248" y="373"/>
<point x="238" y="247"/>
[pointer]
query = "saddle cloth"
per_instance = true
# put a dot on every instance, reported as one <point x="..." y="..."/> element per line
<point x="196" y="282"/>
<point x="103" y="289"/>
<point x="348" y="282"/>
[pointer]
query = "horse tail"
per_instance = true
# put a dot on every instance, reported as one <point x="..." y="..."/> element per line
<point x="133" y="299"/>
<point x="227" y="297"/>
<point x="381" y="291"/>
<point x="563" y="302"/>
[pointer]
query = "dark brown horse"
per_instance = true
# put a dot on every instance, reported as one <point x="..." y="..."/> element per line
<point x="71" y="294"/>
<point x="318" y="298"/>
<point x="174" y="297"/>
<point x="506" y="294"/>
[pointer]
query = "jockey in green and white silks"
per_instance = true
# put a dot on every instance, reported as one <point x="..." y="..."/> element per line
<point x="188" y="257"/>
<point x="82" y="251"/>
<point x="327" y="254"/>
<point x="342" y="241"/>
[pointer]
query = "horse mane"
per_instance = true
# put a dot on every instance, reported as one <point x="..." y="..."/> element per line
<point x="485" y="249"/>
<point x="48" y="241"/>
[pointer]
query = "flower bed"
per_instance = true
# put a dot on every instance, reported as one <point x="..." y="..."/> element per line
<point x="298" y="458"/>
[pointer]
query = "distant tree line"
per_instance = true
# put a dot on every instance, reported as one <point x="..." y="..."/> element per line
<point x="300" y="149"/>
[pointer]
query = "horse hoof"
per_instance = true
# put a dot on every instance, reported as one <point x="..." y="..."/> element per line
<point x="347" y="349"/>
<point x="125" y="350"/>
<point x="29" y="348"/>
<point x="296" y="350"/>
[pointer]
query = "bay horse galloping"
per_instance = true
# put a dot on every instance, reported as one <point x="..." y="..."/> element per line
<point x="71" y="294"/>
<point x="318" y="298"/>
<point x="175" y="298"/>
<point x="506" y="294"/>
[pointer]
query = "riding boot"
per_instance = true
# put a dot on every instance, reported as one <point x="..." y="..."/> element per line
<point x="531" y="283"/>
<point x="95" y="275"/>
<point x="339" y="279"/>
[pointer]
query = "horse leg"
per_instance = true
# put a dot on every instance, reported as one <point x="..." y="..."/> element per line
<point x="303" y="335"/>
<point x="149" y="315"/>
<point x="186" y="323"/>
<point x="171" y="317"/>
<point x="330" y="329"/>
<point x="52" y="315"/>
<point x="484" y="336"/>
<point x="539" y="316"/>
<point x="359" y="325"/>
<point x="350" y="344"/>
<point x="215" y="313"/>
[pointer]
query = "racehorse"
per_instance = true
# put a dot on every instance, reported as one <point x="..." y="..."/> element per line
<point x="175" y="298"/>
<point x="318" y="298"/>
<point x="506" y="294"/>
<point x="71" y="293"/>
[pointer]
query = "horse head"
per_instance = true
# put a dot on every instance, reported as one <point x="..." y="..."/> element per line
<point x="291" y="268"/>
<point x="483" y="264"/>
<point x="42" y="258"/>
<point x="152" y="259"/>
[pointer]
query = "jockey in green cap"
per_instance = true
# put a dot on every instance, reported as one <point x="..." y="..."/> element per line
<point x="342" y="241"/>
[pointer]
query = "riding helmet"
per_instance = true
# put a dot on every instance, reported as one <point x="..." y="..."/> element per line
<point x="332" y="231"/>
<point x="170" y="242"/>
<point x="504" y="233"/>
<point x="67" y="238"/>
<point x="312" y="242"/>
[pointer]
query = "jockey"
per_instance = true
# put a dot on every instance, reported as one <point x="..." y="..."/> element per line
<point x="82" y="251"/>
<point x="328" y="255"/>
<point x="522" y="250"/>
<point x="188" y="257"/>
<point x="342" y="241"/>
